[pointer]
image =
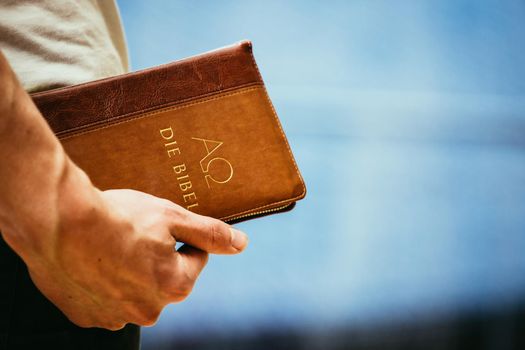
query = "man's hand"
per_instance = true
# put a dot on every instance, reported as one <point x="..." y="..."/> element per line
<point x="119" y="265"/>
<point x="104" y="258"/>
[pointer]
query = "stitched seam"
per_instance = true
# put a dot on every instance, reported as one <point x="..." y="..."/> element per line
<point x="289" y="152"/>
<point x="115" y="119"/>
<point x="271" y="205"/>
<point x="159" y="111"/>
<point x="117" y="77"/>
<point x="281" y="129"/>
<point x="242" y="91"/>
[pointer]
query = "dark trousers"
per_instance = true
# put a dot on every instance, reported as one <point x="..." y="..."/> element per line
<point x="29" y="321"/>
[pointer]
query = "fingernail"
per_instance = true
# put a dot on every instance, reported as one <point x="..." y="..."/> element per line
<point x="239" y="239"/>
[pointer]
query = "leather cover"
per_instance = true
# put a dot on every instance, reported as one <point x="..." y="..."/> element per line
<point x="201" y="132"/>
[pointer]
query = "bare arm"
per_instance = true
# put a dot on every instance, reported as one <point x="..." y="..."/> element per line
<point x="105" y="258"/>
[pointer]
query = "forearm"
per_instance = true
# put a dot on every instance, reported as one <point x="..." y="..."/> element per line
<point x="103" y="258"/>
<point x="34" y="169"/>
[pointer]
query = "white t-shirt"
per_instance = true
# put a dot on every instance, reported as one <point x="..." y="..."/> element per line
<point x="53" y="43"/>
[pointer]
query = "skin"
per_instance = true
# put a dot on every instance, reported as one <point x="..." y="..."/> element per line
<point x="104" y="258"/>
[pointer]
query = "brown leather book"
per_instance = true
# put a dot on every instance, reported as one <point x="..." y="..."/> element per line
<point x="201" y="132"/>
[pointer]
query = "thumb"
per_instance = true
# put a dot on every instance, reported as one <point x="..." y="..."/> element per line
<point x="208" y="234"/>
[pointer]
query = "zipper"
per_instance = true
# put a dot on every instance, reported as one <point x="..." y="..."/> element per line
<point x="260" y="212"/>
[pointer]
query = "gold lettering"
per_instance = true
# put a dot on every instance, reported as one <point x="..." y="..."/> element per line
<point x="163" y="133"/>
<point x="211" y="146"/>
<point x="228" y="178"/>
<point x="185" y="186"/>
<point x="179" y="168"/>
<point x="206" y="142"/>
<point x="173" y="151"/>
<point x="192" y="206"/>
<point x="189" y="196"/>
<point x="167" y="134"/>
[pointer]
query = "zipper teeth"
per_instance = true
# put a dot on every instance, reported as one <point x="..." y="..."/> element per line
<point x="259" y="212"/>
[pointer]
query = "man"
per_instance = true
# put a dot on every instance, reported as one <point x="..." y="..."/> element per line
<point x="77" y="257"/>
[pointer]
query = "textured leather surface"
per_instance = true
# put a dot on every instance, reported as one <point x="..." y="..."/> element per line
<point x="201" y="132"/>
<point x="96" y="102"/>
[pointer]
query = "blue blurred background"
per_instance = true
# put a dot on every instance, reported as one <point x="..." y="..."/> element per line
<point x="407" y="119"/>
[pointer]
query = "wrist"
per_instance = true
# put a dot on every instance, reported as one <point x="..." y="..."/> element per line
<point x="38" y="220"/>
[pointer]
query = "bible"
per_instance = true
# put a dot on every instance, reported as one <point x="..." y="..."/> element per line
<point x="201" y="132"/>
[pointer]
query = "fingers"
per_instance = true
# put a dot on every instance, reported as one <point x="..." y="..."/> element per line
<point x="189" y="263"/>
<point x="208" y="234"/>
<point x="193" y="260"/>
